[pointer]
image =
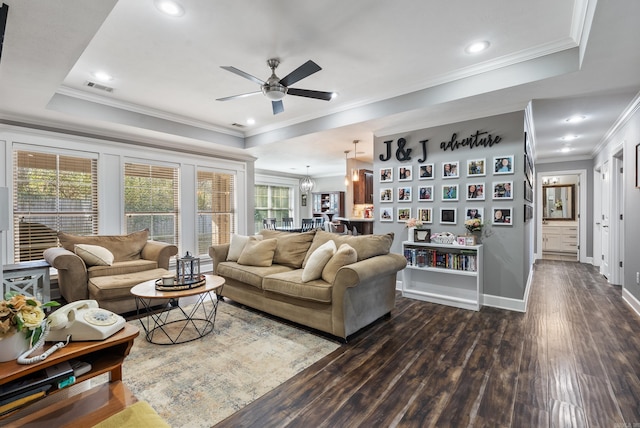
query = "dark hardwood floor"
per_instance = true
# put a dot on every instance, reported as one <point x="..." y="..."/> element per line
<point x="573" y="360"/>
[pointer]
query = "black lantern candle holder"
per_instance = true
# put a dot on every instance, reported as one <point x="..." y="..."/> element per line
<point x="188" y="270"/>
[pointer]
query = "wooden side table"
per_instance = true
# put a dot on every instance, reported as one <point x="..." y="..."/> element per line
<point x="190" y="323"/>
<point x="28" y="278"/>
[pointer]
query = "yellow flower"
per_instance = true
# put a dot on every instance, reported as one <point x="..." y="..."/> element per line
<point x="32" y="316"/>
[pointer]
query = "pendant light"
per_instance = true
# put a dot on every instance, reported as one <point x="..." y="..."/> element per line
<point x="356" y="172"/>
<point x="346" y="166"/>
<point x="306" y="183"/>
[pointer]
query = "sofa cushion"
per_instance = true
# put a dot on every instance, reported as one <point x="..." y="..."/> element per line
<point x="250" y="275"/>
<point x="94" y="255"/>
<point x="237" y="245"/>
<point x="318" y="260"/>
<point x="292" y="248"/>
<point x="121" y="268"/>
<point x="366" y="246"/>
<point x="345" y="255"/>
<point x="123" y="247"/>
<point x="290" y="284"/>
<point x="119" y="286"/>
<point x="258" y="253"/>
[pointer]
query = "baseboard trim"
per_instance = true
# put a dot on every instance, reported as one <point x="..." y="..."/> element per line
<point x="517" y="305"/>
<point x="631" y="300"/>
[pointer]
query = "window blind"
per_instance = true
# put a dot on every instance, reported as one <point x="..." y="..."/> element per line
<point x="216" y="209"/>
<point x="151" y="200"/>
<point x="51" y="193"/>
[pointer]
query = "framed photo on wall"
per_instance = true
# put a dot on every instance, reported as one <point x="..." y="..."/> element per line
<point x="386" y="175"/>
<point x="386" y="214"/>
<point x="425" y="193"/>
<point x="476" y="168"/>
<point x="404" y="214"/>
<point x="404" y="194"/>
<point x="450" y="170"/>
<point x="473" y="213"/>
<point x="405" y="173"/>
<point x="450" y="192"/>
<point x="503" y="190"/>
<point x="426" y="172"/>
<point x="475" y="191"/>
<point x="425" y="215"/>
<point x="503" y="165"/>
<point x="386" y="194"/>
<point x="502" y="216"/>
<point x="447" y="216"/>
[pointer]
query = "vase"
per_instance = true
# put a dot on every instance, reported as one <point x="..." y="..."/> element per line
<point x="411" y="234"/>
<point x="478" y="236"/>
<point x="12" y="345"/>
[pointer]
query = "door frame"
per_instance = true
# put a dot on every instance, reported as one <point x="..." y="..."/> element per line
<point x="616" y="228"/>
<point x="582" y="223"/>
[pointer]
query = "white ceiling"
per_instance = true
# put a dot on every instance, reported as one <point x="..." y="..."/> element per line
<point x="397" y="66"/>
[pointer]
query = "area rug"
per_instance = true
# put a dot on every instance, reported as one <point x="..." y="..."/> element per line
<point x="199" y="383"/>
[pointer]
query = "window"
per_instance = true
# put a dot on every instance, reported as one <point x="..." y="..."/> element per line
<point x="151" y="200"/>
<point x="51" y="193"/>
<point x="272" y="202"/>
<point x="216" y="209"/>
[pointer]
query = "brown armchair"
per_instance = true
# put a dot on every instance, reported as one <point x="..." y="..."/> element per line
<point x="82" y="276"/>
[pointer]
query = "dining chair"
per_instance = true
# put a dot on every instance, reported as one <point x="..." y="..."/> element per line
<point x="318" y="222"/>
<point x="287" y="222"/>
<point x="307" y="224"/>
<point x="269" y="223"/>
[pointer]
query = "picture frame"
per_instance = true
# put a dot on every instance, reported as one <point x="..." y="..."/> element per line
<point x="528" y="212"/>
<point x="502" y="190"/>
<point x="503" y="165"/>
<point x="451" y="169"/>
<point x="421" y="235"/>
<point x="303" y="200"/>
<point x="638" y="166"/>
<point x="462" y="240"/>
<point x="425" y="215"/>
<point x="425" y="193"/>
<point x="448" y="216"/>
<point x="386" y="194"/>
<point x="474" y="212"/>
<point x="404" y="214"/>
<point x="386" y="175"/>
<point x="386" y="214"/>
<point x="502" y="216"/>
<point x="449" y="192"/>
<point x="528" y="169"/>
<point x="470" y="240"/>
<point x="528" y="192"/>
<point x="425" y="172"/>
<point x="475" y="191"/>
<point x="476" y="167"/>
<point x="405" y="173"/>
<point x="404" y="194"/>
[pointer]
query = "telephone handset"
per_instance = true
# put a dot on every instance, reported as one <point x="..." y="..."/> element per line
<point x="81" y="320"/>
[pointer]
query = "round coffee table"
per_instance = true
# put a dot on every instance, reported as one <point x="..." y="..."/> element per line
<point x="173" y="324"/>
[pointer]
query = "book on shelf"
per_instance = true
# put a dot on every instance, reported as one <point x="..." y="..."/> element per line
<point x="56" y="375"/>
<point x="464" y="260"/>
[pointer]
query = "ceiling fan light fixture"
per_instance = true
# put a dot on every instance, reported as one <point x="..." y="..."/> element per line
<point x="274" y="92"/>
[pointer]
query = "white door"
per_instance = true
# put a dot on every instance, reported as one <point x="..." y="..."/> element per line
<point x="605" y="208"/>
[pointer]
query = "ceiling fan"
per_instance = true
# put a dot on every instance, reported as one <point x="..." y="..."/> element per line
<point x="276" y="88"/>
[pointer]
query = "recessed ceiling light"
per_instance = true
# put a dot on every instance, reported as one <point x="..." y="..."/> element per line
<point x="566" y="149"/>
<point x="169" y="7"/>
<point x="569" y="137"/>
<point x="575" y="118"/>
<point x="477" y="47"/>
<point x="251" y="121"/>
<point x="102" y="76"/>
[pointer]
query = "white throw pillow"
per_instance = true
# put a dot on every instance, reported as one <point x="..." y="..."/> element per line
<point x="318" y="260"/>
<point x="94" y="255"/>
<point x="237" y="245"/>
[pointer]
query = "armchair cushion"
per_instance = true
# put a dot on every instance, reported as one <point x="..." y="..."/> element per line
<point x="94" y="255"/>
<point x="123" y="247"/>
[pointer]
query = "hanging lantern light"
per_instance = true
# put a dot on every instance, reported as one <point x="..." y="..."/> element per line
<point x="306" y="183"/>
<point x="346" y="166"/>
<point x="356" y="172"/>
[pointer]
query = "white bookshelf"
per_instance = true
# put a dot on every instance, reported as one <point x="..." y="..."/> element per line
<point x="455" y="280"/>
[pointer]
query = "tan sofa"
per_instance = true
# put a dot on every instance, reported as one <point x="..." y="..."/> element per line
<point x="341" y="302"/>
<point x="86" y="271"/>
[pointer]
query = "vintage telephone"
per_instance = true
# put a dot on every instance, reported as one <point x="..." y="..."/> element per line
<point x="81" y="320"/>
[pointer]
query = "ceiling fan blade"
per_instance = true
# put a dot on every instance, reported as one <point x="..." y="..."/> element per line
<point x="243" y="74"/>
<point x="233" y="97"/>
<point x="278" y="107"/>
<point x="305" y="70"/>
<point x="319" y="95"/>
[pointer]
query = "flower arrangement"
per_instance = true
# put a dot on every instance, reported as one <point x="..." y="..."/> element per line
<point x="413" y="222"/>
<point x="23" y="314"/>
<point x="473" y="225"/>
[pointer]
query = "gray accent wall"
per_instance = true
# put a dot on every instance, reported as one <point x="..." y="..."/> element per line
<point x="507" y="249"/>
